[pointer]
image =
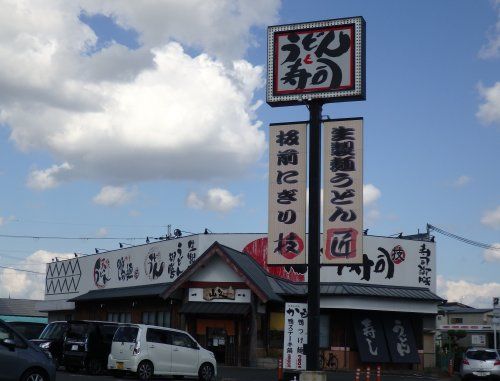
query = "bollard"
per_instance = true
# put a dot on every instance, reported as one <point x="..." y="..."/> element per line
<point x="356" y="377"/>
<point x="368" y="378"/>
<point x="280" y="369"/>
<point x="450" y="367"/>
<point x="379" y="373"/>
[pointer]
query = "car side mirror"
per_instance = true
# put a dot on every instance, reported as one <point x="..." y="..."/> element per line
<point x="9" y="343"/>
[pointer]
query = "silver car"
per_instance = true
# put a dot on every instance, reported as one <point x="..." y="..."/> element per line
<point x="480" y="363"/>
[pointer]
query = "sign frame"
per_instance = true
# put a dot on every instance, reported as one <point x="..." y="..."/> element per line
<point x="356" y="91"/>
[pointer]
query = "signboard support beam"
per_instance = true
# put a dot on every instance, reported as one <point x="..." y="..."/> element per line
<point x="314" y="237"/>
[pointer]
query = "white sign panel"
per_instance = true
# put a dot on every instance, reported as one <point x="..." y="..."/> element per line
<point x="160" y="262"/>
<point x="316" y="60"/>
<point x="295" y="336"/>
<point x="343" y="192"/>
<point x="241" y="295"/>
<point x="478" y="340"/>
<point x="287" y="193"/>
<point x="386" y="261"/>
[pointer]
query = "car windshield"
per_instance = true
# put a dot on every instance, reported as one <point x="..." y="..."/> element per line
<point x="126" y="334"/>
<point x="53" y="331"/>
<point x="481" y="355"/>
<point x="78" y="331"/>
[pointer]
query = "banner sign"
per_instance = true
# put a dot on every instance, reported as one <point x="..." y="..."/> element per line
<point x="401" y="341"/>
<point x="370" y="338"/>
<point x="287" y="194"/>
<point x="217" y="292"/>
<point x="295" y="336"/>
<point x="343" y="192"/>
<point x="317" y="60"/>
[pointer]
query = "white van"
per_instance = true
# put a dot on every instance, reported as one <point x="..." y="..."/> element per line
<point x="149" y="350"/>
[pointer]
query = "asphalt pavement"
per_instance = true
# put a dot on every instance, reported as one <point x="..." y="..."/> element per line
<point x="255" y="374"/>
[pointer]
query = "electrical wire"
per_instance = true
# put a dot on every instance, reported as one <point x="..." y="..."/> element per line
<point x="71" y="238"/>
<point x="462" y="239"/>
<point x="26" y="271"/>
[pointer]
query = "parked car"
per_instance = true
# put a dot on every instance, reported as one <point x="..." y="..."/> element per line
<point x="87" y="345"/>
<point x="480" y="362"/>
<point x="30" y="330"/>
<point x="21" y="360"/>
<point x="52" y="339"/>
<point x="149" y="350"/>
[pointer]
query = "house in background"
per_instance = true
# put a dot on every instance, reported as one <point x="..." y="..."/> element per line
<point x="474" y="322"/>
<point x="24" y="316"/>
<point x="23" y="310"/>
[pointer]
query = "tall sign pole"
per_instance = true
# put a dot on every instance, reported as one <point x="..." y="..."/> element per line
<point x="314" y="243"/>
<point x="312" y="63"/>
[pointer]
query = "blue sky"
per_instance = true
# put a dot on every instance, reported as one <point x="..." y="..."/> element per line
<point x="117" y="120"/>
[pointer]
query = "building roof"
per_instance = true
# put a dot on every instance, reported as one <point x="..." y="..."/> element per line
<point x="20" y="307"/>
<point x="150" y="290"/>
<point x="244" y="265"/>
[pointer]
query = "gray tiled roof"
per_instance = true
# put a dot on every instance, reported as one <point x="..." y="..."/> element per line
<point x="253" y="271"/>
<point x="20" y="307"/>
<point x="149" y="290"/>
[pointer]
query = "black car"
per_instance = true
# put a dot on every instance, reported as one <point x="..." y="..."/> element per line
<point x="30" y="330"/>
<point x="52" y="339"/>
<point x="21" y="360"/>
<point x="88" y="344"/>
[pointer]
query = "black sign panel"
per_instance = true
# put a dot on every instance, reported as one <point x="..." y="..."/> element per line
<point x="400" y="340"/>
<point x="370" y="337"/>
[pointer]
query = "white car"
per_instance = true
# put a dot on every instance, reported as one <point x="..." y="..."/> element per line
<point x="149" y="350"/>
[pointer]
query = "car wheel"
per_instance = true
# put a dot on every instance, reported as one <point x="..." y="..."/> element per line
<point x="206" y="372"/>
<point x="34" y="375"/>
<point x="94" y="367"/>
<point x="145" y="370"/>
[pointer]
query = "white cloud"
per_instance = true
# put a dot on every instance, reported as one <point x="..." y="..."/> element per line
<point x="492" y="255"/>
<point x="476" y="295"/>
<point x="461" y="181"/>
<point x="489" y="111"/>
<point x="370" y="194"/>
<point x="123" y="115"/>
<point x="114" y="196"/>
<point x="48" y="178"/>
<point x="491" y="218"/>
<point x="221" y="27"/>
<point x="216" y="199"/>
<point x="28" y="285"/>
<point x="492" y="48"/>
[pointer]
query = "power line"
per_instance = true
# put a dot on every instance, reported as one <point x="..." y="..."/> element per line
<point x="84" y="224"/>
<point x="462" y="239"/>
<point x="26" y="271"/>
<point x="70" y="238"/>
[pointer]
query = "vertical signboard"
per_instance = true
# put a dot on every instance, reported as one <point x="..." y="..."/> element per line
<point x="287" y="194"/>
<point x="295" y="336"/>
<point x="343" y="192"/>
<point x="316" y="60"/>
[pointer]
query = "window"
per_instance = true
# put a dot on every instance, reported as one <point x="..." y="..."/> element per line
<point x="160" y="318"/>
<point x="108" y="331"/>
<point x="456" y="320"/>
<point x="8" y="334"/>
<point x="182" y="340"/>
<point x="324" y="331"/>
<point x="157" y="336"/>
<point x="120" y="317"/>
<point x="126" y="334"/>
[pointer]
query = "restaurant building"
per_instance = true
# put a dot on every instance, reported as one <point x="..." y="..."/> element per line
<point x="220" y="288"/>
